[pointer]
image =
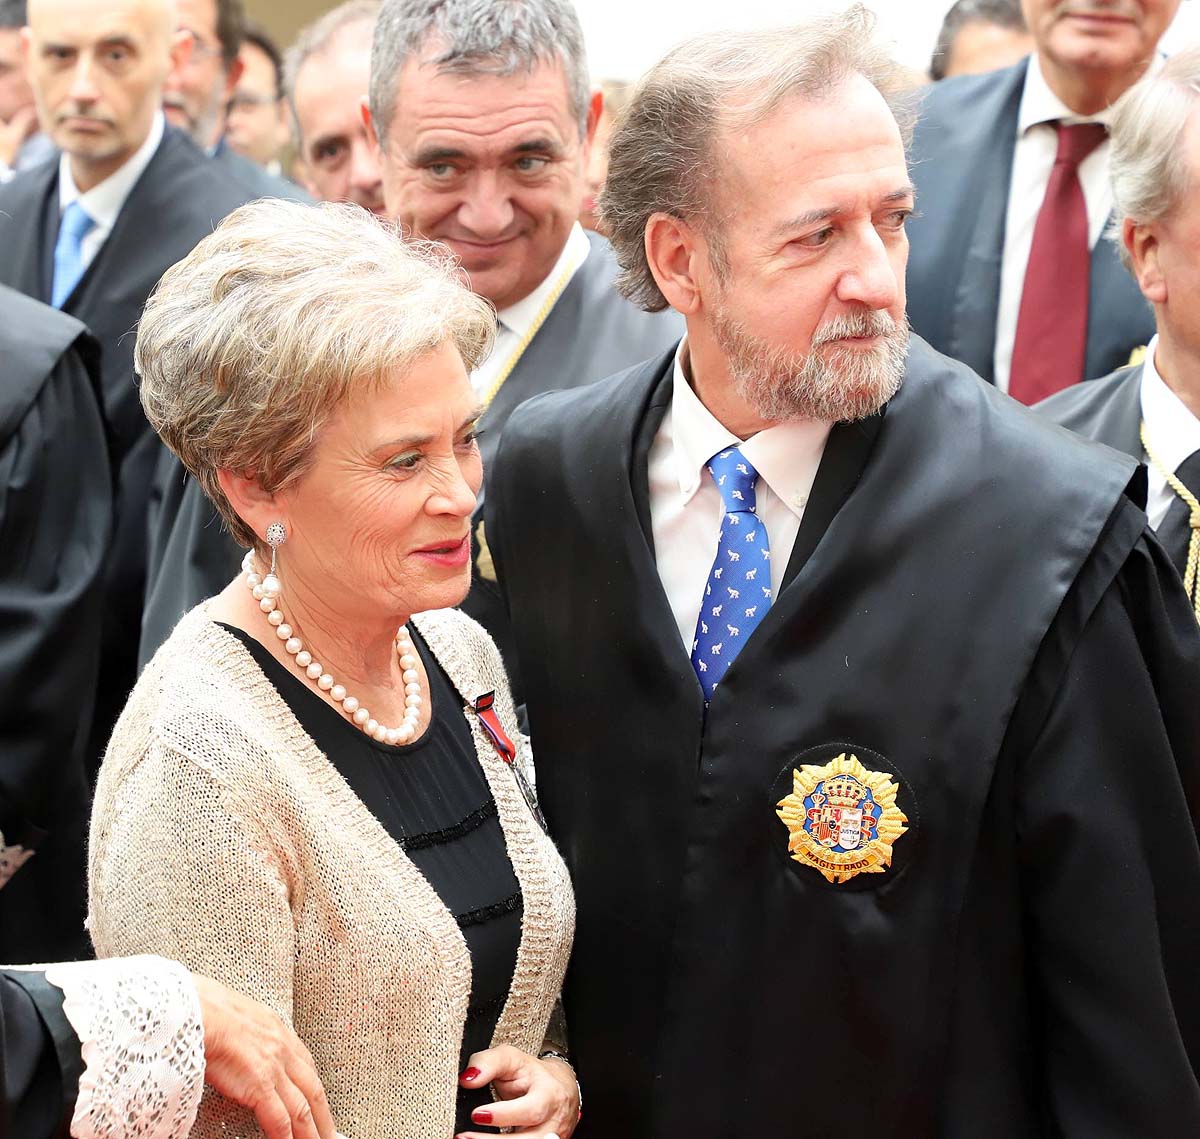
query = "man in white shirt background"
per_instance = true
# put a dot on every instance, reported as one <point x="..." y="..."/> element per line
<point x="1008" y="272"/>
<point x="1152" y="410"/>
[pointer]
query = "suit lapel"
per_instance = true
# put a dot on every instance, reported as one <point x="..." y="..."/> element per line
<point x="1119" y="423"/>
<point x="977" y="298"/>
<point x="846" y="454"/>
<point x="133" y="226"/>
<point x="27" y="263"/>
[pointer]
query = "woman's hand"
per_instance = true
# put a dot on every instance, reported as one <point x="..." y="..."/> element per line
<point x="254" y="1059"/>
<point x="539" y="1098"/>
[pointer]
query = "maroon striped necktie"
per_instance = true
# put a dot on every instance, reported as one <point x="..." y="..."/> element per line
<point x="1051" y="340"/>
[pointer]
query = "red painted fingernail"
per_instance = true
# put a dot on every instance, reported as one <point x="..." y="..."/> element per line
<point x="471" y="1074"/>
<point x="482" y="1115"/>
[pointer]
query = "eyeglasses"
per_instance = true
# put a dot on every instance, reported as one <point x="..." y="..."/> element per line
<point x="246" y="101"/>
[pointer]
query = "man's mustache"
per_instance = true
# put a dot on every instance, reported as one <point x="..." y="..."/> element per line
<point x="868" y="322"/>
<point x="75" y="112"/>
<point x="1124" y="9"/>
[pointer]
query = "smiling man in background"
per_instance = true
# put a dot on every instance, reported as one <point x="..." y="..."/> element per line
<point x="483" y="117"/>
<point x="1008" y="272"/>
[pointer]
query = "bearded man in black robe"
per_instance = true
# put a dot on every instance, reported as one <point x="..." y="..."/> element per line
<point x="864" y="702"/>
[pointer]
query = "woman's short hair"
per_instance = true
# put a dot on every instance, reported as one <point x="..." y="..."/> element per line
<point x="1149" y="168"/>
<point x="248" y="344"/>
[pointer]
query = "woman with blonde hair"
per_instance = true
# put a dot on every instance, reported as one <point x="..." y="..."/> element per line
<point x="317" y="792"/>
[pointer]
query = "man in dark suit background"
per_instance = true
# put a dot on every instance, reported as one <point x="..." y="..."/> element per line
<point x="1152" y="410"/>
<point x="1008" y="272"/>
<point x="92" y="231"/>
<point x="198" y="91"/>
<point x="834" y="660"/>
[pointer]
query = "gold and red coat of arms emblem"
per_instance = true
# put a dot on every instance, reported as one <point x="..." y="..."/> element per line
<point x="842" y="819"/>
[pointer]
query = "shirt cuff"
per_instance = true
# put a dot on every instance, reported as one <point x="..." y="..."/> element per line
<point x="139" y="1025"/>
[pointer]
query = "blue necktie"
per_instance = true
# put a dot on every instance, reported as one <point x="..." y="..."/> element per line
<point x="738" y="592"/>
<point x="68" y="252"/>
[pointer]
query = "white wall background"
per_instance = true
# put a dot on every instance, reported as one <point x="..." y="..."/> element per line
<point x="625" y="37"/>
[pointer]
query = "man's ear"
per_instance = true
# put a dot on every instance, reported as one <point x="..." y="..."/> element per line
<point x="364" y="109"/>
<point x="180" y="50"/>
<point x="675" y="253"/>
<point x="232" y="74"/>
<point x="595" y="111"/>
<point x="253" y="505"/>
<point x="1141" y="242"/>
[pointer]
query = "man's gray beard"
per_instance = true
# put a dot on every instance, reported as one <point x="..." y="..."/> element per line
<point x="835" y="383"/>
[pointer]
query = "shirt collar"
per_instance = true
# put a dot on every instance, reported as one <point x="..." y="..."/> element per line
<point x="1173" y="430"/>
<point x="786" y="456"/>
<point x="103" y="202"/>
<point x="1041" y="105"/>
<point x="519" y="317"/>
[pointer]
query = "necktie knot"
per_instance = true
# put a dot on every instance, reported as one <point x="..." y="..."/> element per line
<point x="76" y="222"/>
<point x="735" y="477"/>
<point x="1077" y="140"/>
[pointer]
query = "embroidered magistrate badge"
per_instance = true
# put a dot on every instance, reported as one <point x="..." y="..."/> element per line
<point x="842" y="819"/>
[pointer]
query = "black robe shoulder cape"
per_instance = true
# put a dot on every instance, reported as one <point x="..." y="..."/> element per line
<point x="974" y="609"/>
<point x="56" y="518"/>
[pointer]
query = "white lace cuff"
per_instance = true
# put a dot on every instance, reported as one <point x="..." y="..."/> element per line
<point x="138" y="1019"/>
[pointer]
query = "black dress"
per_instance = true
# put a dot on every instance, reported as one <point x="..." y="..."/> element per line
<point x="433" y="798"/>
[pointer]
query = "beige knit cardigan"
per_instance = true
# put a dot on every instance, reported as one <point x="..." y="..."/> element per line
<point x="222" y="837"/>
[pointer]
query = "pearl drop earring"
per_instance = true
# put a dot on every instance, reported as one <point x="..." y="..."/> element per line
<point x="276" y="536"/>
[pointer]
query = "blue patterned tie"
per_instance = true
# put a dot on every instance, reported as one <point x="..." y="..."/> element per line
<point x="68" y="252"/>
<point x="738" y="592"/>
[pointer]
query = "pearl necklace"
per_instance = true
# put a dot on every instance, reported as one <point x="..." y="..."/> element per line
<point x="266" y="592"/>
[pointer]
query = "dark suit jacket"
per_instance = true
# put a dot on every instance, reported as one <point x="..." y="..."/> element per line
<point x="962" y="157"/>
<point x="178" y="199"/>
<point x="56" y="514"/>
<point x="972" y="606"/>
<point x="40" y="1061"/>
<point x="258" y="181"/>
<point x="1108" y="410"/>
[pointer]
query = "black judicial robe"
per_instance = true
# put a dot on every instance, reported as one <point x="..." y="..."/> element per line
<point x="591" y="332"/>
<point x="176" y="201"/>
<point x="975" y="609"/>
<point x="40" y="1060"/>
<point x="55" y="528"/>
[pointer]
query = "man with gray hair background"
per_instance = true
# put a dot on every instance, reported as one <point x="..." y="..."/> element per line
<point x="483" y="116"/>
<point x="863" y="701"/>
<point x="1152" y="410"/>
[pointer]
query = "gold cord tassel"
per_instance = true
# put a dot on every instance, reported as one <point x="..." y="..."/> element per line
<point x="1193" y="504"/>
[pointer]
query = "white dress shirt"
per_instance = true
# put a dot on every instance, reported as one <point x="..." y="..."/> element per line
<point x="686" y="509"/>
<point x="516" y="320"/>
<point x="1174" y="434"/>
<point x="1033" y="159"/>
<point x="103" y="201"/>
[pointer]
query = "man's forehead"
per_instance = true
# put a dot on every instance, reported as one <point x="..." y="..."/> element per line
<point x="197" y="16"/>
<point x="492" y="109"/>
<point x="330" y="91"/>
<point x="94" y="21"/>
